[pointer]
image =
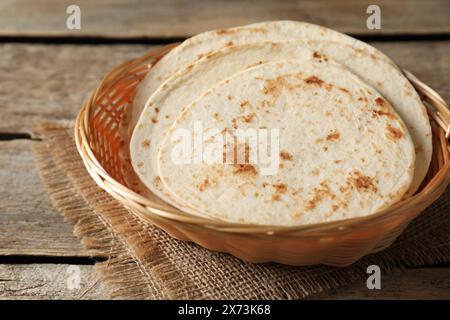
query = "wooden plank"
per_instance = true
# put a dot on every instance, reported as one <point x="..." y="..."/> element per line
<point x="29" y="225"/>
<point x="50" y="281"/>
<point x="178" y="18"/>
<point x="433" y="283"/>
<point x="53" y="81"/>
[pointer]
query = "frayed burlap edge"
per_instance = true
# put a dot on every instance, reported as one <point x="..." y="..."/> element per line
<point x="91" y="212"/>
<point x="137" y="269"/>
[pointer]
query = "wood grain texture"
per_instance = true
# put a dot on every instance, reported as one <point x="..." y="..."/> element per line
<point x="181" y="18"/>
<point x="421" y="284"/>
<point x="29" y="225"/>
<point x="53" y="81"/>
<point x="49" y="281"/>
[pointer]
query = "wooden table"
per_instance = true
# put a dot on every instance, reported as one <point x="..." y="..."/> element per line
<point x="48" y="71"/>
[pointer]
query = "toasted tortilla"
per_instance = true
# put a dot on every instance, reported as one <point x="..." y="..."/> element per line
<point x="199" y="46"/>
<point x="343" y="151"/>
<point x="187" y="84"/>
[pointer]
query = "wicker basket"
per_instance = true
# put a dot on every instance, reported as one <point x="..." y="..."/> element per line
<point x="337" y="243"/>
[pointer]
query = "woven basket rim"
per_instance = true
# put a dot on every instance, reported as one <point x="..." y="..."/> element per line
<point x="438" y="113"/>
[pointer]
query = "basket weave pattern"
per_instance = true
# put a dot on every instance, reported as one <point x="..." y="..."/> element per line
<point x="338" y="243"/>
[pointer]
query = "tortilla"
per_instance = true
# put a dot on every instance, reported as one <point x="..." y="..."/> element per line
<point x="201" y="45"/>
<point x="343" y="151"/>
<point x="187" y="84"/>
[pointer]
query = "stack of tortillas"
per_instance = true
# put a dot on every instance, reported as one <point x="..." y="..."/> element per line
<point x="278" y="123"/>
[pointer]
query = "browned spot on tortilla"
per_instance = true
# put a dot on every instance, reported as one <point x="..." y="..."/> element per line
<point x="245" y="168"/>
<point x="140" y="164"/>
<point x="249" y="117"/>
<point x="274" y="87"/>
<point x="167" y="116"/>
<point x="202" y="186"/>
<point x="256" y="194"/>
<point x="337" y="161"/>
<point x="146" y="143"/>
<point x="296" y="215"/>
<point x="216" y="115"/>
<point x="393" y="133"/>
<point x="224" y="32"/>
<point x="362" y="183"/>
<point x="333" y="135"/>
<point x="286" y="155"/>
<point x="235" y="151"/>
<point x="281" y="187"/>
<point x="376" y="113"/>
<point x="229" y="43"/>
<point x="229" y="97"/>
<point x="314" y="80"/>
<point x="244" y="103"/>
<point x="157" y="180"/>
<point x="334" y="207"/>
<point x="379" y="101"/>
<point x="157" y="110"/>
<point x="344" y="90"/>
<point x="320" y="194"/>
<point x="234" y="123"/>
<point x="265" y="104"/>
<point x="325" y="149"/>
<point x="317" y="55"/>
<point x="265" y="184"/>
<point x="189" y="67"/>
<point x="315" y="172"/>
<point x="154" y="120"/>
<point x="276" y="197"/>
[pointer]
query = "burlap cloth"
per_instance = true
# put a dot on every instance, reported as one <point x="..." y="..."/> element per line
<point x="144" y="262"/>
